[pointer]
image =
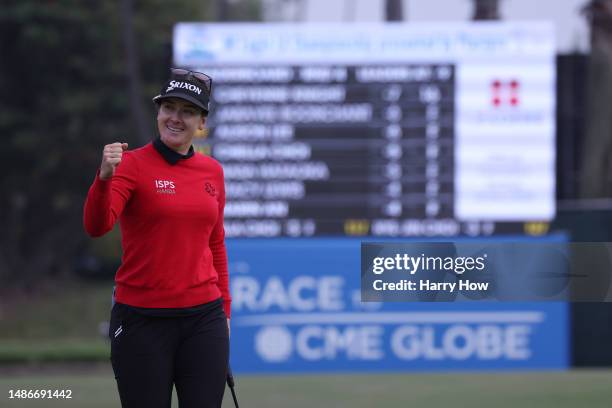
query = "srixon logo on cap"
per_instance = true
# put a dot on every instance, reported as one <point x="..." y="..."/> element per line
<point x="183" y="85"/>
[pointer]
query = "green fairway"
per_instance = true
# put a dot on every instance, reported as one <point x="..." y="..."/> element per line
<point x="576" y="389"/>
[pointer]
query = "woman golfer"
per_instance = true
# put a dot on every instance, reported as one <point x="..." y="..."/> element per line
<point x="168" y="324"/>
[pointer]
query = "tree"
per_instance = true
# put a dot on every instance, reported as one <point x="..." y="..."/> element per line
<point x="596" y="175"/>
<point x="393" y="10"/>
<point x="65" y="86"/>
<point x="486" y="10"/>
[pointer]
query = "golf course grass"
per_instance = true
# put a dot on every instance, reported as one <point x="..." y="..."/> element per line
<point x="95" y="387"/>
<point x="53" y="341"/>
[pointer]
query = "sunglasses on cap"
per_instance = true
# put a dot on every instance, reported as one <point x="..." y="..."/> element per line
<point x="198" y="76"/>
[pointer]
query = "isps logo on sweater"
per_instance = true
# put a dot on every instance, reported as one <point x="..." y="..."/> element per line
<point x="165" y="187"/>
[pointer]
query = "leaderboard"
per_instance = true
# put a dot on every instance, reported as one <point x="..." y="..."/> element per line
<point x="327" y="149"/>
<point x="320" y="137"/>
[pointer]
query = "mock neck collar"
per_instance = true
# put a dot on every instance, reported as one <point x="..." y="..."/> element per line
<point x="170" y="155"/>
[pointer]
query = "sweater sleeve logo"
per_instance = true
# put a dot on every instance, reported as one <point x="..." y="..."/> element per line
<point x="210" y="189"/>
<point x="165" y="187"/>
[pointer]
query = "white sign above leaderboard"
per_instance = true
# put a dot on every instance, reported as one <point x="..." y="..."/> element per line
<point x="379" y="129"/>
<point x="202" y="44"/>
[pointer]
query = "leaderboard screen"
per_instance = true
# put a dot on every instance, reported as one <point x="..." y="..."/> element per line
<point x="379" y="129"/>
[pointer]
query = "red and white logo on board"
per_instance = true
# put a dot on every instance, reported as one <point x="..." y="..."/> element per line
<point x="505" y="92"/>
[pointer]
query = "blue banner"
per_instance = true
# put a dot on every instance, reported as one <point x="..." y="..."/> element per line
<point x="297" y="308"/>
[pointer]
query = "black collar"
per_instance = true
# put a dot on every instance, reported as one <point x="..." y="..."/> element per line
<point x="170" y="155"/>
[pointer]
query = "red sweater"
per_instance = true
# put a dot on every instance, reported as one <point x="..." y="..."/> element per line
<point x="171" y="219"/>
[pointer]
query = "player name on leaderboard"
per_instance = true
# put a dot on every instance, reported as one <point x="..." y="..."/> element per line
<point x="333" y="149"/>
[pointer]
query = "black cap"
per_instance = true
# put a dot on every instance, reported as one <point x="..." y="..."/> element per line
<point x="191" y="91"/>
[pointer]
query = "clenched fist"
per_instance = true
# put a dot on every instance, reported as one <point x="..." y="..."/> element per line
<point x="111" y="157"/>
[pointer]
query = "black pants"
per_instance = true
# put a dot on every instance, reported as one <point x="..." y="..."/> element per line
<point x="150" y="353"/>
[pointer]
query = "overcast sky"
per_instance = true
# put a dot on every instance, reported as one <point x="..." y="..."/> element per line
<point x="571" y="27"/>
